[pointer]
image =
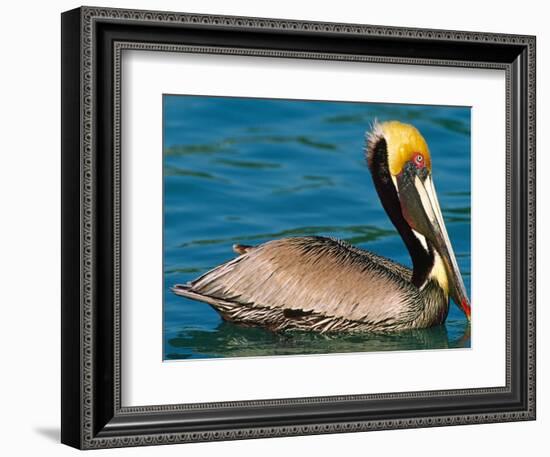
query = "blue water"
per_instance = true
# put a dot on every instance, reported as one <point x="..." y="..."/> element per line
<point x="247" y="171"/>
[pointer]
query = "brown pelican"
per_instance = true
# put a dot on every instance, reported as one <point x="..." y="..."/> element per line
<point x="326" y="285"/>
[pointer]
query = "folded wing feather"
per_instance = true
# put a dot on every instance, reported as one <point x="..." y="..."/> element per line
<point x="316" y="274"/>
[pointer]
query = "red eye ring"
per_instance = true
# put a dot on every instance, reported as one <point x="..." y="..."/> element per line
<point x="419" y="160"/>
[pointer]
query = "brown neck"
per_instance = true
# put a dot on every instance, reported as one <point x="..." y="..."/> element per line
<point x="422" y="258"/>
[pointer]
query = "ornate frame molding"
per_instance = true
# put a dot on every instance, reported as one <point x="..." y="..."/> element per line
<point x="92" y="431"/>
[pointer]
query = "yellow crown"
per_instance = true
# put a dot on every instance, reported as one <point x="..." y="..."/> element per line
<point x="403" y="142"/>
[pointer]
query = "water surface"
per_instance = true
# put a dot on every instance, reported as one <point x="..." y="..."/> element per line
<point x="241" y="170"/>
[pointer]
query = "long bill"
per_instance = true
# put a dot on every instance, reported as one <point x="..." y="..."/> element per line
<point x="420" y="208"/>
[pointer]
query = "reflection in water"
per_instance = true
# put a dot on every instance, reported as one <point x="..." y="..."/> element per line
<point x="252" y="170"/>
<point x="231" y="340"/>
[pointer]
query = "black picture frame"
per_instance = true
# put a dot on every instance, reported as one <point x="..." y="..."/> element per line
<point x="92" y="42"/>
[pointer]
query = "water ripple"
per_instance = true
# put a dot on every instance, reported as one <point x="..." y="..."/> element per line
<point x="363" y="232"/>
<point x="248" y="164"/>
<point x="226" y="144"/>
<point x="452" y="125"/>
<point x="314" y="182"/>
<point x="187" y="173"/>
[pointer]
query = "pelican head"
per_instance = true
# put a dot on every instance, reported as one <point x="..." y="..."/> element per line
<point x="401" y="167"/>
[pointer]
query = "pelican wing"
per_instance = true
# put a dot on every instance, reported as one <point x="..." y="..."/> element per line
<point x="315" y="274"/>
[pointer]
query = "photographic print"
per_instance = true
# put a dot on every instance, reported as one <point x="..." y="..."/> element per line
<point x="314" y="227"/>
<point x="308" y="212"/>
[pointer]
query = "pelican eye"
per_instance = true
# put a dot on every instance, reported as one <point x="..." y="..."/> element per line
<point x="419" y="160"/>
